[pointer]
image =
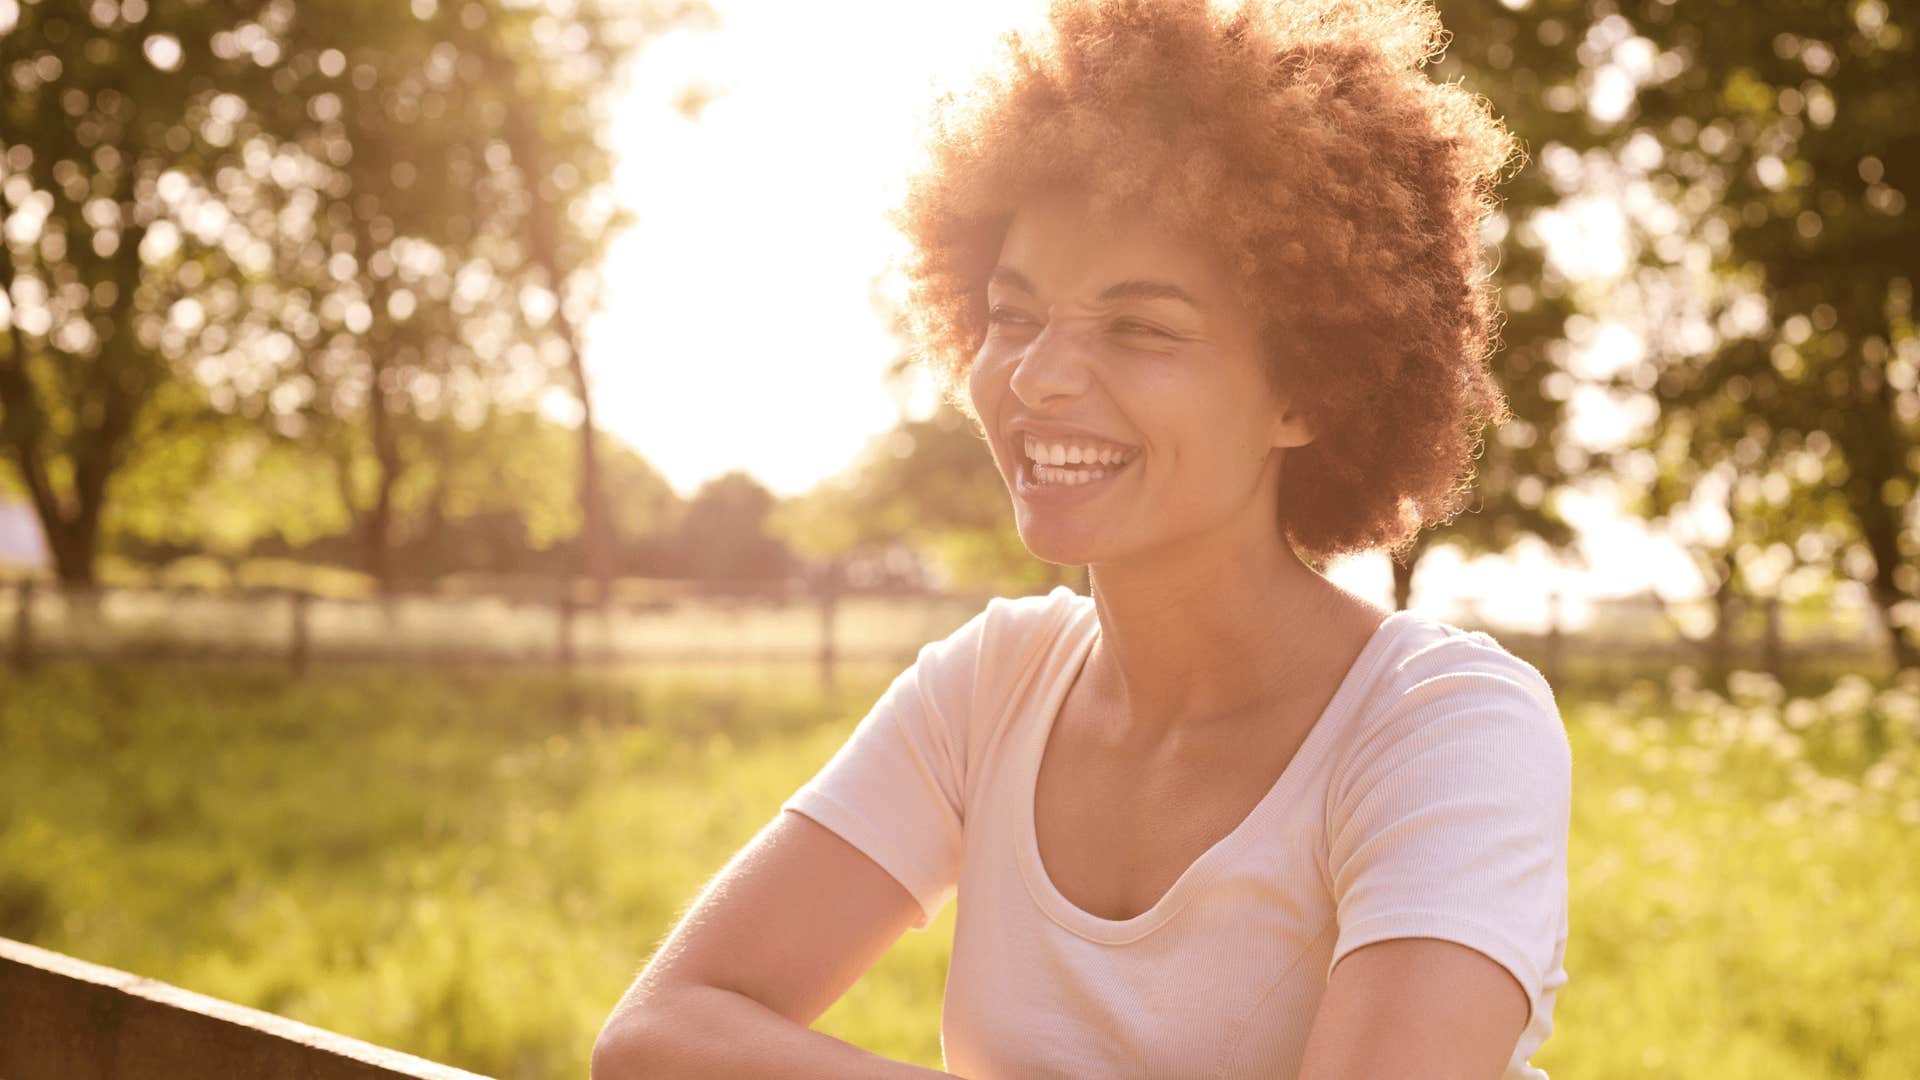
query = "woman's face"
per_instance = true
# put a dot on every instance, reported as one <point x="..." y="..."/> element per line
<point x="1122" y="360"/>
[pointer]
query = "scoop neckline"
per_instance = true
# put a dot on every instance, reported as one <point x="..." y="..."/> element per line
<point x="1208" y="865"/>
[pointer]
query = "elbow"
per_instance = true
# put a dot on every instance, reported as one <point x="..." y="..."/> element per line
<point x="621" y="1050"/>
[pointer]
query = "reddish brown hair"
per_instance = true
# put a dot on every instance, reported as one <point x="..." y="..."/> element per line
<point x="1302" y="141"/>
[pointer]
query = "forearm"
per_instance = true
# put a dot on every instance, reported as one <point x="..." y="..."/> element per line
<point x="702" y="1032"/>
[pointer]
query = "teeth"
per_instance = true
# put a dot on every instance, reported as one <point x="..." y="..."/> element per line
<point x="1047" y="474"/>
<point x="1067" y="454"/>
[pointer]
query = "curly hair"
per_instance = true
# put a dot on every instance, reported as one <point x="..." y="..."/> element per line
<point x="1300" y="140"/>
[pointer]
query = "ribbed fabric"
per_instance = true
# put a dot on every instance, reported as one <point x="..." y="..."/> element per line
<point x="1430" y="799"/>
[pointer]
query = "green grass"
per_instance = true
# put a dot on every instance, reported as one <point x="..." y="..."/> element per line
<point x="472" y="865"/>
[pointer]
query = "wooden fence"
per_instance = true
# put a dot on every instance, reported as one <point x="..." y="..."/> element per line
<point x="823" y="629"/>
<point x="40" y="623"/>
<point x="66" y="1019"/>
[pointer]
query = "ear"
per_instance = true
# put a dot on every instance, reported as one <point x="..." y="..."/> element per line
<point x="1290" y="427"/>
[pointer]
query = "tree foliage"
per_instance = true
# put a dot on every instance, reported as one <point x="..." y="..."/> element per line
<point x="365" y="224"/>
<point x="929" y="485"/>
<point x="1780" y="143"/>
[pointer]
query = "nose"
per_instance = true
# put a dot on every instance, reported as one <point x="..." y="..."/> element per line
<point x="1053" y="365"/>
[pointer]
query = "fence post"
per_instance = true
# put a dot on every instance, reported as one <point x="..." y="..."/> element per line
<point x="23" y="626"/>
<point x="566" y="613"/>
<point x="301" y="643"/>
<point x="829" y="602"/>
<point x="1555" y="639"/>
<point x="1776" y="659"/>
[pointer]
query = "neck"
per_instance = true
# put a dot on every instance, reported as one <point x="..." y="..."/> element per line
<point x="1213" y="631"/>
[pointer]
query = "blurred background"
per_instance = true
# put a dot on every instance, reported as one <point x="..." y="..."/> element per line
<point x="459" y="473"/>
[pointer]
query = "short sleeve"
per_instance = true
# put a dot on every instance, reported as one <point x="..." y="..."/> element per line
<point x="1451" y="821"/>
<point x="895" y="789"/>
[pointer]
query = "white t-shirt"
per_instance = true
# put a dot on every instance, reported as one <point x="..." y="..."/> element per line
<point x="1431" y="799"/>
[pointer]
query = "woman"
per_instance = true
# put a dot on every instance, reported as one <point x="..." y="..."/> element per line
<point x="1211" y="283"/>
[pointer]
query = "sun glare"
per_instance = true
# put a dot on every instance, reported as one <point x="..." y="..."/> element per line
<point x="739" y="329"/>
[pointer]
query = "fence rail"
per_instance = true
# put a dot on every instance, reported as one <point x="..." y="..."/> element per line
<point x="826" y="629"/>
<point x="64" y="1018"/>
<point x="39" y="622"/>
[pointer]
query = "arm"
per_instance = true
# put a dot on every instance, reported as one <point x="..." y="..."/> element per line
<point x="1415" y="1009"/>
<point x="1447" y="859"/>
<point x="704" y="1031"/>
<point x="774" y="939"/>
<point x="867" y="849"/>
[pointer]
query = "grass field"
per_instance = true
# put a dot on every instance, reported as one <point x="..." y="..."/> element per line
<point x="471" y="866"/>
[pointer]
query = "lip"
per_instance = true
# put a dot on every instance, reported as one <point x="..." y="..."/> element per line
<point x="1053" y="429"/>
<point x="1021" y="428"/>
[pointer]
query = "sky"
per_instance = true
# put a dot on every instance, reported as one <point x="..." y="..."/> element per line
<point x="738" y="329"/>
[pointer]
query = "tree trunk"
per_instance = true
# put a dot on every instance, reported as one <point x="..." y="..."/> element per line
<point x="530" y="154"/>
<point x="376" y="528"/>
<point x="1403" y="567"/>
<point x="1720" y="641"/>
<point x="1773" y="645"/>
<point x="1879" y="527"/>
<point x="595" y="561"/>
<point x="116" y="385"/>
<point x="1402" y="584"/>
<point x="1900" y="636"/>
<point x="376" y="535"/>
<point x="595" y="551"/>
<point x="1878" y="453"/>
<point x="73" y="547"/>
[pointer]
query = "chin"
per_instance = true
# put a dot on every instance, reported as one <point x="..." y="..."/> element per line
<point x="1068" y="524"/>
<point x="1062" y="543"/>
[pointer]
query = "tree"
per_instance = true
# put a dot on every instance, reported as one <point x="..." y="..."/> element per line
<point x="219" y="487"/>
<point x="1784" y="132"/>
<point x="555" y="145"/>
<point x="930" y="484"/>
<point x="100" y="110"/>
<point x="497" y="498"/>
<point x="313" y="214"/>
<point x="724" y="535"/>
<point x="470" y="240"/>
<point x="1527" y="60"/>
<point x="1761" y="533"/>
<point x="501" y="499"/>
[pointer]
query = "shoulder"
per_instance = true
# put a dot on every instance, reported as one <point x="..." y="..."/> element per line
<point x="1015" y="627"/>
<point x="1010" y="636"/>
<point x="1432" y="658"/>
<point x="1054" y="606"/>
<point x="1456" y="699"/>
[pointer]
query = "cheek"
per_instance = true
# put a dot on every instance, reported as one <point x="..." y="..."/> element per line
<point x="986" y="390"/>
<point x="986" y="383"/>
<point x="1199" y="419"/>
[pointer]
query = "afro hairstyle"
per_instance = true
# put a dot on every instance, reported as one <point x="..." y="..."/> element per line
<point x="1301" y="141"/>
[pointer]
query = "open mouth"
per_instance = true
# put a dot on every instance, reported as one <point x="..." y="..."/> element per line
<point x="1071" y="463"/>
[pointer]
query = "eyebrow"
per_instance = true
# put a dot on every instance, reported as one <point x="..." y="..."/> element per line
<point x="1136" y="289"/>
<point x="1013" y="279"/>
<point x="1148" y="290"/>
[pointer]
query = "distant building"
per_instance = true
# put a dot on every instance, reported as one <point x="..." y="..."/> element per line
<point x="22" y="545"/>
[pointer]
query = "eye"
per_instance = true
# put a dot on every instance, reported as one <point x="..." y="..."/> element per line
<point x="1004" y="321"/>
<point x="1134" y="326"/>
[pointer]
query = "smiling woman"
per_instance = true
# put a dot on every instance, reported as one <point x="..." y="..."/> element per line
<point x="1207" y="277"/>
<point x="1120" y="333"/>
<point x="1339" y="189"/>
